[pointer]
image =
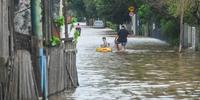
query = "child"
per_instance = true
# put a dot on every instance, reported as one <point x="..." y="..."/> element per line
<point x="117" y="43"/>
<point x="105" y="43"/>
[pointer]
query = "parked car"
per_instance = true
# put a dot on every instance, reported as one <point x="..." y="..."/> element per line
<point x="98" y="24"/>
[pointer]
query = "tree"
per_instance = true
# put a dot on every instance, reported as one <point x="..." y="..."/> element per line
<point x="77" y="6"/>
<point x="187" y="10"/>
<point x="181" y="24"/>
<point x="90" y="7"/>
<point x="115" y="11"/>
<point x="183" y="10"/>
<point x="144" y="12"/>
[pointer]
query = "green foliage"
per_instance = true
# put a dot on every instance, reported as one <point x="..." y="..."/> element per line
<point x="72" y="26"/>
<point x="90" y="8"/>
<point x="76" y="35"/>
<point x="54" y="41"/>
<point x="145" y="13"/>
<point x="192" y="14"/>
<point x="115" y="11"/>
<point x="60" y="21"/>
<point x="173" y="7"/>
<point x="167" y="26"/>
<point x="78" y="7"/>
<point x="191" y="10"/>
<point x="111" y="25"/>
<point x="170" y="29"/>
<point x="158" y="11"/>
<point x="74" y="20"/>
<point x="84" y="8"/>
<point x="69" y="1"/>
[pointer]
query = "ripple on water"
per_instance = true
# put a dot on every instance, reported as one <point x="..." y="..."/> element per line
<point x="141" y="73"/>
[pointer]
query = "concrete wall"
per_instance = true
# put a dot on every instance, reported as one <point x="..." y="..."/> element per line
<point x="4" y="31"/>
<point x="22" y="18"/>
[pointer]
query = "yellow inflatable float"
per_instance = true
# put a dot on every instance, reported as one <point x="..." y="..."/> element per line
<point x="105" y="49"/>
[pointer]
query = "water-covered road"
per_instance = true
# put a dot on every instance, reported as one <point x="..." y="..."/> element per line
<point x="148" y="70"/>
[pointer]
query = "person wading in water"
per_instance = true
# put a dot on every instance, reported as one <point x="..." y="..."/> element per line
<point x="121" y="39"/>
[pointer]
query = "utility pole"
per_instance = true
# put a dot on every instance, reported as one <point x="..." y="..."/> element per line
<point x="132" y="14"/>
<point x="40" y="63"/>
<point x="181" y="24"/>
<point x="133" y="18"/>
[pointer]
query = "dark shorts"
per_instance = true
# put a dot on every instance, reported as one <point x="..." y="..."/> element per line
<point x="122" y="43"/>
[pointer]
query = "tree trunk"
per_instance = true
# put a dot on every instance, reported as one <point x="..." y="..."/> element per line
<point x="181" y="24"/>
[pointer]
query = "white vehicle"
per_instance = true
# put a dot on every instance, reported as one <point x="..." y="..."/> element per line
<point x="98" y="24"/>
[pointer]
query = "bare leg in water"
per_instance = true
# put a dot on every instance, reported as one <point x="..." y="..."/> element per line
<point x="117" y="46"/>
<point x="123" y="46"/>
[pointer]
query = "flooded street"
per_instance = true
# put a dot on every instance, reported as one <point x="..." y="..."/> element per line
<point x="148" y="70"/>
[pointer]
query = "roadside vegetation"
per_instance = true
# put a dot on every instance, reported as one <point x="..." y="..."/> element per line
<point x="167" y="15"/>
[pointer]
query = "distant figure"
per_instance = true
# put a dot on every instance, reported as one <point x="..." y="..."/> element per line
<point x="78" y="28"/>
<point x="121" y="39"/>
<point x="105" y="43"/>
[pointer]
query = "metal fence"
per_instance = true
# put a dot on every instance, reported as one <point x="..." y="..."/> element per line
<point x="191" y="37"/>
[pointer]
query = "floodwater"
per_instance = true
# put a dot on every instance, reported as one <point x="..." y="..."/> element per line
<point x="148" y="70"/>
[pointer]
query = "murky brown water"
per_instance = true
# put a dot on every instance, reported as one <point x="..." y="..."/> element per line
<point x="143" y="72"/>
